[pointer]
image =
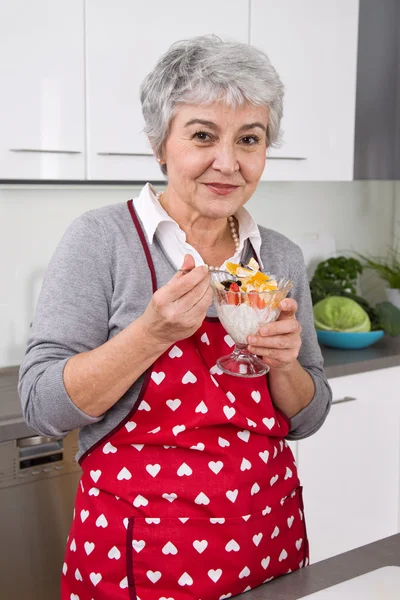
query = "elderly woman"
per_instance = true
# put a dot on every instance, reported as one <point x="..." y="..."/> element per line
<point x="189" y="489"/>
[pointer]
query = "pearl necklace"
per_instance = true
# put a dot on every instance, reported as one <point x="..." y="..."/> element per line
<point x="234" y="234"/>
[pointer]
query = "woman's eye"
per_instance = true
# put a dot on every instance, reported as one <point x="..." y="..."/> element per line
<point x="202" y="136"/>
<point x="249" y="140"/>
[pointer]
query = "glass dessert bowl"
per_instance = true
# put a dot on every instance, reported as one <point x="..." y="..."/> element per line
<point x="245" y="300"/>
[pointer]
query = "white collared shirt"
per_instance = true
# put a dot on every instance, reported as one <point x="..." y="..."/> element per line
<point x="156" y="220"/>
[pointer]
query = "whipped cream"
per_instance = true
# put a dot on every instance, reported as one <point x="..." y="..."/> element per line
<point x="243" y="320"/>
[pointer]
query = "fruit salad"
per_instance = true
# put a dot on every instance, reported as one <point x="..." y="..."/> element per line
<point x="248" y="282"/>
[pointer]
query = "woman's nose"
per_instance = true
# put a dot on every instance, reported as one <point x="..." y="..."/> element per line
<point x="226" y="160"/>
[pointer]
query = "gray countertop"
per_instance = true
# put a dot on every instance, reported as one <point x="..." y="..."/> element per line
<point x="385" y="353"/>
<point x="329" y="572"/>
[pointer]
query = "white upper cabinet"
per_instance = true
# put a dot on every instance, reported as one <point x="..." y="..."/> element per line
<point x="124" y="40"/>
<point x="313" y="46"/>
<point x="42" y="89"/>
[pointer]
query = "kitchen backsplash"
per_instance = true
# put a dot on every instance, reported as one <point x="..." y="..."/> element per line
<point x="355" y="216"/>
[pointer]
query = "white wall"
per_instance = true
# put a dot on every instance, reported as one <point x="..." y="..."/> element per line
<point x="360" y="216"/>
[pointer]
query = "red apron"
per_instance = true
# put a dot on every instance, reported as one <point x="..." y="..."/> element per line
<point x="195" y="495"/>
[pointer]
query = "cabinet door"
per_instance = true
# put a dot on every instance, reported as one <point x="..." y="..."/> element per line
<point x="124" y="40"/>
<point x="313" y="46"/>
<point x="42" y="89"/>
<point x="350" y="469"/>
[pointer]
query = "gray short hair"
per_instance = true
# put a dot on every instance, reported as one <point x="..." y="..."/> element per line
<point x="202" y="70"/>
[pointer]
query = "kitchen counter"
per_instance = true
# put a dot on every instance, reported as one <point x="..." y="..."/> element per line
<point x="329" y="572"/>
<point x="385" y="353"/>
<point x="382" y="355"/>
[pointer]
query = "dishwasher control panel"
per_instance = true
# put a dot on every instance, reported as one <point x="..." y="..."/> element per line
<point x="37" y="457"/>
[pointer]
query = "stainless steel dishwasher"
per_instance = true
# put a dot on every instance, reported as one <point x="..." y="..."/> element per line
<point x="38" y="481"/>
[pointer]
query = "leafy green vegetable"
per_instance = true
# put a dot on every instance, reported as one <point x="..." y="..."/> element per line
<point x="389" y="317"/>
<point x="337" y="313"/>
<point x="341" y="271"/>
<point x="387" y="267"/>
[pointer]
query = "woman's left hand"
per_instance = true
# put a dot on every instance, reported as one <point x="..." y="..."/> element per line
<point x="279" y="343"/>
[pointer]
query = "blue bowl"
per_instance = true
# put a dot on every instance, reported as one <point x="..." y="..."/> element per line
<point x="348" y="341"/>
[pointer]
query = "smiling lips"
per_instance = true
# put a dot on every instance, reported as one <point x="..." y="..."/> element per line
<point x="223" y="189"/>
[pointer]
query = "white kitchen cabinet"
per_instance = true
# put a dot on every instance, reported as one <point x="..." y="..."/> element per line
<point x="350" y="468"/>
<point x="313" y="46"/>
<point x="123" y="44"/>
<point x="42" y="89"/>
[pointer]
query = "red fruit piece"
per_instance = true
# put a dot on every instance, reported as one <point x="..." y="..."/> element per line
<point x="255" y="300"/>
<point x="232" y="295"/>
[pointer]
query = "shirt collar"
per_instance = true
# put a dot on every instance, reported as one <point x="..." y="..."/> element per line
<point x="152" y="214"/>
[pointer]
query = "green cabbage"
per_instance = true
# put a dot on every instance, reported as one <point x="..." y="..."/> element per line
<point x="337" y="313"/>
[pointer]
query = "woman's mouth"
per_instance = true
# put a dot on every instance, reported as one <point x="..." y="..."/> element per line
<point x="222" y="189"/>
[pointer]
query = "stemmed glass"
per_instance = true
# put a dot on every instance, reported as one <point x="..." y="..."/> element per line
<point x="242" y="314"/>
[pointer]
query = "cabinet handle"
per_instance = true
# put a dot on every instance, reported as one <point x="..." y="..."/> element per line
<point x="45" y="151"/>
<point x="124" y="154"/>
<point x="345" y="399"/>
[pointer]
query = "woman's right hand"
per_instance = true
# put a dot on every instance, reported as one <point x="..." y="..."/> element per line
<point x="178" y="309"/>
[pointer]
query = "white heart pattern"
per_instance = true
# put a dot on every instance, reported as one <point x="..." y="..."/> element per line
<point x="251" y="423"/>
<point x="269" y="422"/>
<point x="124" y="474"/>
<point x="184" y="469"/>
<point x="283" y="555"/>
<point x="95" y="578"/>
<point x="109" y="448"/>
<point x="95" y="475"/>
<point x="223" y="442"/>
<point x="130" y="426"/>
<point x="273" y="479"/>
<point x="169" y="548"/>
<point x="189" y="378"/>
<point x="290" y="521"/>
<point x="170" y="497"/>
<point x="214" y="575"/>
<point x="288" y="473"/>
<point x="89" y="547"/>
<point x="230" y="396"/>
<point x="74" y="597"/>
<point x="153" y="470"/>
<point x="201" y="408"/>
<point x="101" y="521"/>
<point x="275" y="532"/>
<point x="123" y="584"/>
<point x="156" y="430"/>
<point x="245" y="465"/>
<point x="185" y="579"/>
<point x="200" y="545"/>
<point x="229" y="412"/>
<point x="202" y="499"/>
<point x="218" y="520"/>
<point x="175" y="352"/>
<point x="200" y="446"/>
<point x="204" y="339"/>
<point x="244" y="572"/>
<point x="144" y="406"/>
<point x="266" y="510"/>
<point x="256" y="396"/>
<point x="114" y="553"/>
<point x="232" y="495"/>
<point x="154" y="576"/>
<point x="265" y="562"/>
<point x="255" y="489"/>
<point x="140" y="501"/>
<point x="183" y="519"/>
<point x="173" y="404"/>
<point x="152" y="520"/>
<point x="215" y="466"/>
<point x="225" y="596"/>
<point x="215" y="370"/>
<point x="228" y="340"/>
<point x="244" y="435"/>
<point x="246" y="517"/>
<point x="299" y="543"/>
<point x="157" y="377"/>
<point x="78" y="575"/>
<point x="264" y="456"/>
<point x="257" y="538"/>
<point x="232" y="546"/>
<point x="84" y="515"/>
<point x="138" y="545"/>
<point x="275" y="451"/>
<point x="178" y="429"/>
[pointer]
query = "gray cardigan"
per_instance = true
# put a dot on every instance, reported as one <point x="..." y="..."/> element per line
<point x="96" y="284"/>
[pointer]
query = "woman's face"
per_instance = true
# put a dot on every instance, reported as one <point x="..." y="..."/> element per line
<point x="215" y="156"/>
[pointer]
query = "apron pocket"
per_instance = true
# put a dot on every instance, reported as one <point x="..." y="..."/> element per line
<point x="181" y="558"/>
